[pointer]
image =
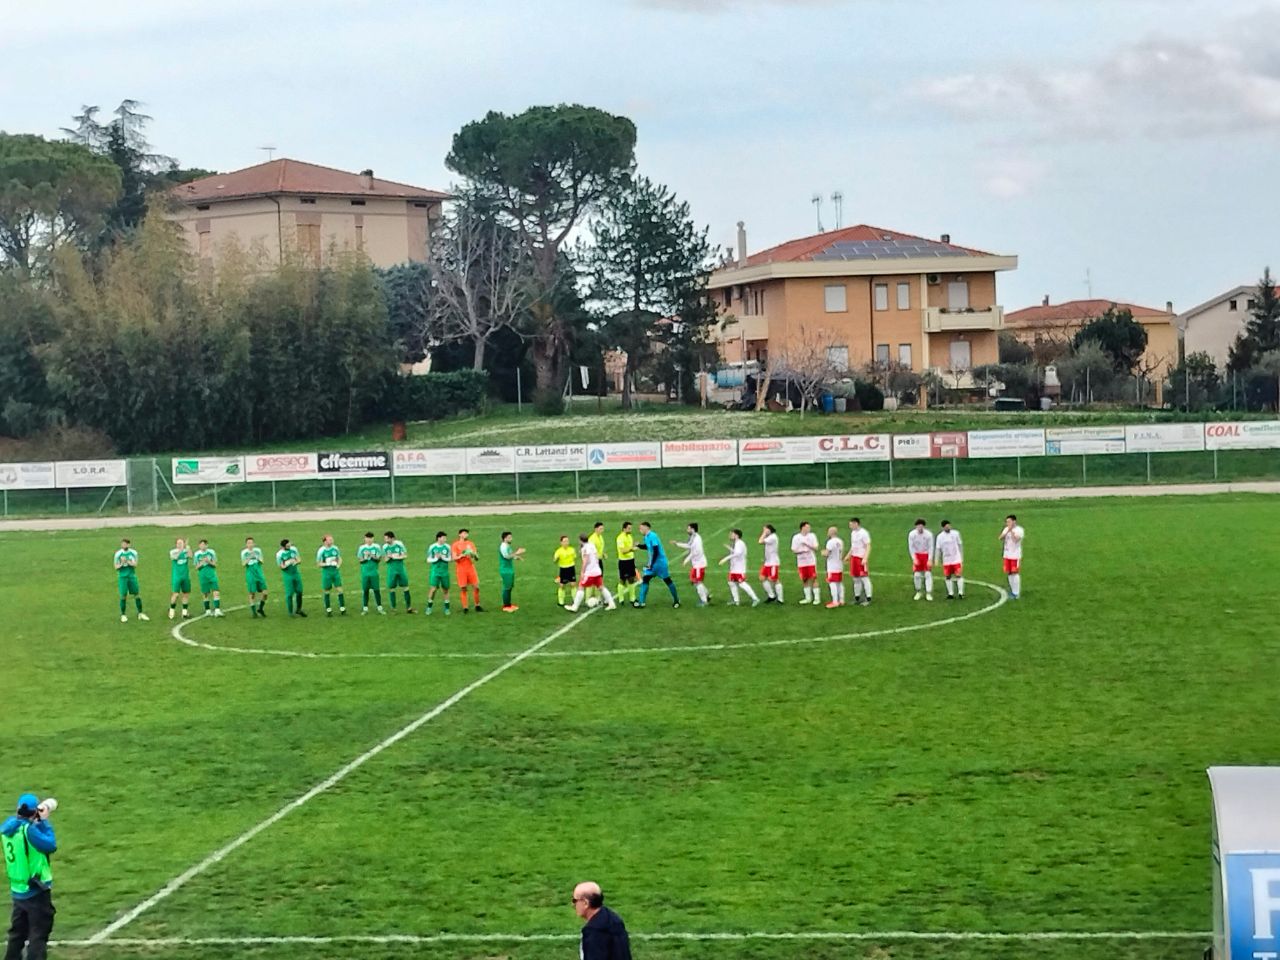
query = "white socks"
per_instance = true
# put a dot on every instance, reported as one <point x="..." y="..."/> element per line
<point x="608" y="597"/>
<point x="950" y="585"/>
<point x="928" y="582"/>
<point x="733" y="591"/>
<point x="1015" y="584"/>
<point x="837" y="592"/>
<point x="960" y="585"/>
<point x="866" y="587"/>
<point x="746" y="588"/>
<point x="918" y="579"/>
<point x="768" y="588"/>
<point x="702" y="591"/>
<point x="777" y="589"/>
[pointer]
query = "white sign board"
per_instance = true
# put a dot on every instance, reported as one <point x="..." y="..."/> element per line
<point x="208" y="470"/>
<point x="624" y="456"/>
<point x="700" y="453"/>
<point x="986" y="444"/>
<point x="1248" y="435"/>
<point x="911" y="446"/>
<point x="262" y="467"/>
<point x="1163" y="437"/>
<point x="862" y="446"/>
<point x="491" y="460"/>
<point x="91" y="473"/>
<point x="550" y="458"/>
<point x="1074" y="441"/>
<point x="440" y="462"/>
<point x="776" y="450"/>
<point x="26" y="476"/>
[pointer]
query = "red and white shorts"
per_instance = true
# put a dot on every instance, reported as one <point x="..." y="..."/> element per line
<point x="597" y="581"/>
<point x="808" y="573"/>
<point x="952" y="569"/>
<point x="920" y="563"/>
<point x="857" y="567"/>
<point x="769" y="572"/>
<point x="835" y="576"/>
<point x="1011" y="565"/>
<point x="697" y="574"/>
<point x="737" y="578"/>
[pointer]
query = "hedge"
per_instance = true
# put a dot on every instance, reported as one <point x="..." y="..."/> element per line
<point x="432" y="396"/>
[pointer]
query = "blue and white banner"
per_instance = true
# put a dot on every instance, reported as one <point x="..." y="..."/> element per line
<point x="1253" y="904"/>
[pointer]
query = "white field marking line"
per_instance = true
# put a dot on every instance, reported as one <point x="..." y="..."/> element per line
<point x="220" y="854"/>
<point x="732" y="936"/>
<point x="1002" y="597"/>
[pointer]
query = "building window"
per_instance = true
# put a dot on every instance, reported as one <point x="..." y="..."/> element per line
<point x="904" y="296"/>
<point x="757" y="297"/>
<point x="838" y="358"/>
<point x="904" y="355"/>
<point x="1250" y="303"/>
<point x="728" y="297"/>
<point x="422" y="206"/>
<point x="882" y="296"/>
<point x="833" y="296"/>
<point x="360" y="237"/>
<point x="309" y="241"/>
<point x="307" y="200"/>
<point x="958" y="295"/>
<point x="961" y="356"/>
<point x="882" y="354"/>
<point x="1231" y="304"/>
<point x="206" y="244"/>
<point x="202" y="206"/>
<point x="357" y="203"/>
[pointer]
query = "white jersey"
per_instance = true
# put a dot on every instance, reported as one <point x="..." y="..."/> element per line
<point x="920" y="541"/>
<point x="835" y="555"/>
<point x="805" y="546"/>
<point x="697" y="556"/>
<point x="738" y="557"/>
<point x="771" y="551"/>
<point x="951" y="547"/>
<point x="591" y="561"/>
<point x="1013" y="543"/>
<point x="859" y="543"/>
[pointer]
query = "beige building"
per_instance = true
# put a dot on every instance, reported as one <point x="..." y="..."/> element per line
<point x="286" y="204"/>
<point x="1212" y="327"/>
<point x="867" y="294"/>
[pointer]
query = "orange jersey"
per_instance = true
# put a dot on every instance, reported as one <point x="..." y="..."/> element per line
<point x="460" y="548"/>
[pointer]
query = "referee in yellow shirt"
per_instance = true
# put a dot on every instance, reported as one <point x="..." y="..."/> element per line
<point x="566" y="574"/>
<point x="626" y="564"/>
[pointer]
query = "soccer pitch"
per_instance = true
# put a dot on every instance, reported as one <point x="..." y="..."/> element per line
<point x="961" y="780"/>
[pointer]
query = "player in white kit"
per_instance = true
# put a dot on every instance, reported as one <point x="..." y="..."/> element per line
<point x="1011" y="536"/>
<point x="737" y="560"/>
<point x="920" y="548"/>
<point x="771" y="569"/>
<point x="951" y="555"/>
<point x="696" y="558"/>
<point x="592" y="576"/>
<point x="859" y="555"/>
<point x="834" y="552"/>
<point x="805" y="546"/>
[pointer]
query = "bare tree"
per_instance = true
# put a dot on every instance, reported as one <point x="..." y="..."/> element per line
<point x="809" y="363"/>
<point x="481" y="279"/>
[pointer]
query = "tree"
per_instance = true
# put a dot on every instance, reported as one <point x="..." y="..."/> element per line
<point x="1121" y="337"/>
<point x="1269" y="363"/>
<point x="51" y="193"/>
<point x="1262" y="330"/>
<point x="649" y="261"/>
<point x="808" y="364"/>
<point x="1013" y="350"/>
<point x="543" y="170"/>
<point x="26" y="326"/>
<point x="1195" y="381"/>
<point x="406" y="288"/>
<point x="1088" y="372"/>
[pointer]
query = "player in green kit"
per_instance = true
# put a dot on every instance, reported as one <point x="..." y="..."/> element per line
<point x="370" y="555"/>
<point x="508" y="554"/>
<point x="439" y="556"/>
<point x="289" y="561"/>
<point x="329" y="560"/>
<point x="180" y="578"/>
<point x="126" y="564"/>
<point x="206" y="560"/>
<point x="254" y="579"/>
<point x="396" y="554"/>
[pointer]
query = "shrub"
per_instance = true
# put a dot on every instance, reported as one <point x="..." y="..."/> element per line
<point x="433" y="396"/>
<point x="870" y="397"/>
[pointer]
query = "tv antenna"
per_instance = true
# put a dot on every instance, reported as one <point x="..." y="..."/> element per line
<point x="270" y="151"/>
<point x="1088" y="282"/>
<point x="837" y="200"/>
<point x="817" y="209"/>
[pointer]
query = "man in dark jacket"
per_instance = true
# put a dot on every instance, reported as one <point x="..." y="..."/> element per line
<point x="27" y="841"/>
<point x="604" y="935"/>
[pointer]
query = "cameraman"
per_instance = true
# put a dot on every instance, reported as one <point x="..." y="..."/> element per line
<point x="604" y="935"/>
<point x="27" y="840"/>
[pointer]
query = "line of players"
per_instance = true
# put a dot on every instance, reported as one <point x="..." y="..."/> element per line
<point x="947" y="548"/>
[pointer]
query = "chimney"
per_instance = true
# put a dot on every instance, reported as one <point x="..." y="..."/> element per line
<point x="1168" y="306"/>
<point x="946" y="238"/>
<point x="366" y="179"/>
<point x="742" y="243"/>
<point x="1045" y="301"/>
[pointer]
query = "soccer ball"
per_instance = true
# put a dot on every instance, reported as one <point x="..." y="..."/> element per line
<point x="593" y="602"/>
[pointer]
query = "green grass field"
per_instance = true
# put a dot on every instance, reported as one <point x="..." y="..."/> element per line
<point x="1037" y="767"/>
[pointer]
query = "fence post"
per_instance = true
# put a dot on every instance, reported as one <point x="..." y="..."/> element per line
<point x="704" y="480"/>
<point x="826" y="477"/>
<point x="392" y="478"/>
<point x="764" y="478"/>
<point x="156" y="475"/>
<point x="273" y="494"/>
<point x="890" y="474"/>
<point x="6" y="503"/>
<point x="455" y="488"/>
<point x="67" y="491"/>
<point x="215" y="496"/>
<point x="1019" y="461"/>
<point x="577" y="489"/>
<point x="955" y="471"/>
<point x="333" y="492"/>
<point x="518" y="479"/>
<point x="1084" y="469"/>
<point x="637" y="483"/>
<point x="1148" y="468"/>
<point x="128" y="488"/>
<point x="1215" y="463"/>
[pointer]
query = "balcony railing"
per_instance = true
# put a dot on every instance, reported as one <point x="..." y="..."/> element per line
<point x="944" y="319"/>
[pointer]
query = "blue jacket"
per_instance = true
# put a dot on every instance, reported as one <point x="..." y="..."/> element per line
<point x="39" y="835"/>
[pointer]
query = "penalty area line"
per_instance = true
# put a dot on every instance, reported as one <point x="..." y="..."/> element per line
<point x="178" y="882"/>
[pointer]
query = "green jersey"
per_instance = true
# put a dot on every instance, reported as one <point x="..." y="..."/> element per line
<point x="126" y="562"/>
<point x="506" y="559"/>
<point x="287" y="559"/>
<point x="439" y="553"/>
<point x="395" y="553"/>
<point x="329" y="556"/>
<point x="369" y="555"/>
<point x="251" y="557"/>
<point x="205" y="558"/>
<point x="179" y="561"/>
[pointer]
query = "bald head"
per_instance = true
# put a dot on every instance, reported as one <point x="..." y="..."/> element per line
<point x="587" y="899"/>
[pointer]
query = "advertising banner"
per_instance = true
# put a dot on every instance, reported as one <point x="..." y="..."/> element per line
<point x="491" y="460"/>
<point x="1253" y="904"/>
<point x="26" y="476"/>
<point x="208" y="470"/>
<point x="862" y="446"/>
<point x="91" y="473"/>
<point x="987" y="444"/>
<point x="1074" y="441"/>
<point x="624" y="456"/>
<point x="776" y="450"/>
<point x="700" y="453"/>
<point x="439" y="462"/>
<point x="551" y="458"/>
<point x="949" y="446"/>
<point x="911" y="446"/>
<point x="1163" y="437"/>
<point x="262" y="467"/>
<point x="1251" y="435"/>
<point x="361" y="463"/>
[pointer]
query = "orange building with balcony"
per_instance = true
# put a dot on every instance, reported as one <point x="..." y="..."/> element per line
<point x="868" y="294"/>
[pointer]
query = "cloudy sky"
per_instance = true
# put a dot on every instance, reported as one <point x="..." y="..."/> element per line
<point x="1137" y="141"/>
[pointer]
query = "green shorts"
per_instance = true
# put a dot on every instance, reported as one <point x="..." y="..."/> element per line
<point x="255" y="581"/>
<point x="397" y="577"/>
<point x="180" y="584"/>
<point x="127" y="584"/>
<point x="292" y="583"/>
<point x="208" y="581"/>
<point x="330" y="577"/>
<point x="438" y="576"/>
<point x="370" y="581"/>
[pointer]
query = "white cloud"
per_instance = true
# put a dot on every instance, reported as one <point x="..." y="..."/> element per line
<point x="1011" y="177"/>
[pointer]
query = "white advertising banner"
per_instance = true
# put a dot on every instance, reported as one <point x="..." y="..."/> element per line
<point x="1164" y="437"/>
<point x="440" y="462"/>
<point x="1074" y="441"/>
<point x="208" y="470"/>
<point x="1249" y="435"/>
<point x="262" y="467"/>
<point x="550" y="458"/>
<point x="624" y="456"/>
<point x="911" y="446"/>
<point x="700" y="453"/>
<point x="776" y="450"/>
<point x="26" y="476"/>
<point x="91" y="473"/>
<point x="862" y="446"/>
<point x="986" y="444"/>
<point x="491" y="460"/>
